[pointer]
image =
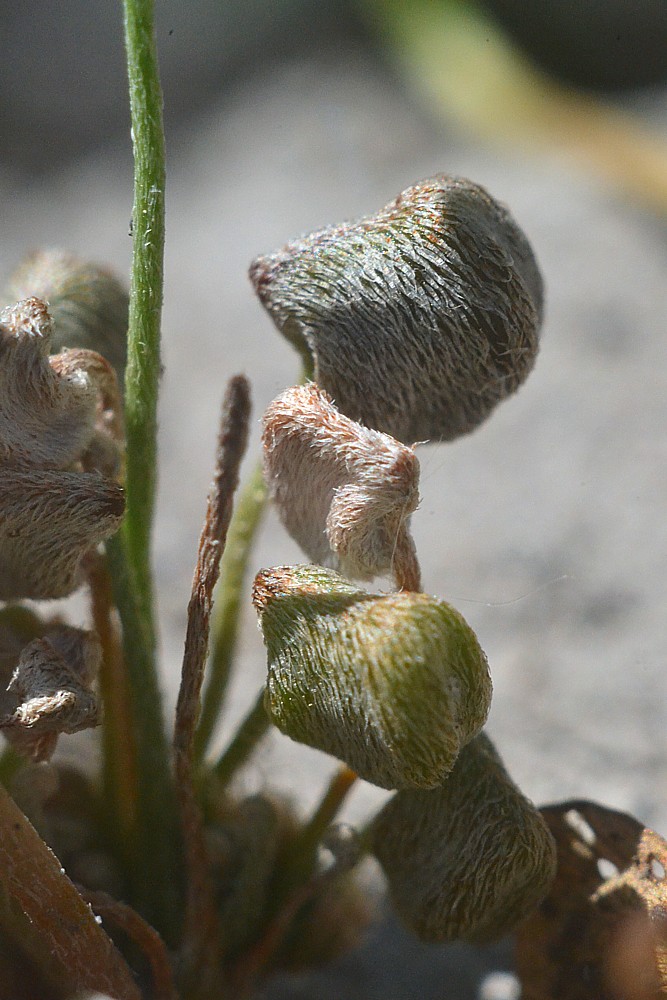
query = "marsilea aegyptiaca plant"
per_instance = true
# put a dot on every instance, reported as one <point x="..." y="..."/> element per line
<point x="150" y="876"/>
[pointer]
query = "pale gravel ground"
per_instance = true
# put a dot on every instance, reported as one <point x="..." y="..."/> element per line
<point x="546" y="528"/>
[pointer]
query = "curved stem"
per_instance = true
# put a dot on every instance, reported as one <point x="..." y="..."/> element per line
<point x="305" y="846"/>
<point x="247" y="518"/>
<point x="248" y="735"/>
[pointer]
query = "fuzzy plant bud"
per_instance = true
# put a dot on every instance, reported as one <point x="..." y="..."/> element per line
<point x="49" y="521"/>
<point x="18" y="627"/>
<point x="469" y="859"/>
<point x="60" y="447"/>
<point x="417" y="320"/>
<point x="393" y="685"/>
<point x="345" y="493"/>
<point x="88" y="304"/>
<point x="51" y="690"/>
<point x="55" y="410"/>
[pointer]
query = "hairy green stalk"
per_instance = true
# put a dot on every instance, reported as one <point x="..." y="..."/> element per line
<point x="143" y="356"/>
<point x="155" y="855"/>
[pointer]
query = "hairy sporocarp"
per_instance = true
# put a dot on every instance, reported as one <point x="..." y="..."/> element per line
<point x="417" y="320"/>
<point x="393" y="685"/>
<point x="50" y="691"/>
<point x="88" y="304"/>
<point x="345" y="493"/>
<point x="469" y="859"/>
<point x="49" y="521"/>
<point x="53" y="408"/>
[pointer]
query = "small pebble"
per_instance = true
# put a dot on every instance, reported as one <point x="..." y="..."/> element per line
<point x="500" y="986"/>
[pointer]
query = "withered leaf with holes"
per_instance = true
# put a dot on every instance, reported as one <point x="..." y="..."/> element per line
<point x="48" y="522"/>
<point x="393" y="685"/>
<point x="602" y="930"/>
<point x="345" y="493"/>
<point x="51" y="690"/>
<point x="417" y="320"/>
<point x="54" y="411"/>
<point x="88" y="304"/>
<point x="469" y="859"/>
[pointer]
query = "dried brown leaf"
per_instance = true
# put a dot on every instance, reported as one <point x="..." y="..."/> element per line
<point x="601" y="932"/>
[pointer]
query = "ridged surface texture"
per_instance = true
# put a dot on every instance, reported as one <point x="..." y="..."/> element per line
<point x="60" y="451"/>
<point x="420" y="318"/>
<point x="48" y="521"/>
<point x="392" y="685"/>
<point x="47" y="418"/>
<point x="470" y="859"/>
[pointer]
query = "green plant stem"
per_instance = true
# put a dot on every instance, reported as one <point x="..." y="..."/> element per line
<point x="299" y="863"/>
<point x="155" y="840"/>
<point x="143" y="357"/>
<point x="337" y="791"/>
<point x="247" y="736"/>
<point x="227" y="609"/>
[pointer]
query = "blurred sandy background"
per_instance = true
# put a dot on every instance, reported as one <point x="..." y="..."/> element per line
<point x="547" y="527"/>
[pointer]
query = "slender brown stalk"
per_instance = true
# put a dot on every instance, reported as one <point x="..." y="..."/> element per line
<point x="249" y="510"/>
<point x="407" y="572"/>
<point x="119" y="745"/>
<point x="142" y="934"/>
<point x="200" y="938"/>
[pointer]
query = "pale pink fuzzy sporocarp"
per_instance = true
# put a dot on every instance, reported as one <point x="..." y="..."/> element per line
<point x="344" y="492"/>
